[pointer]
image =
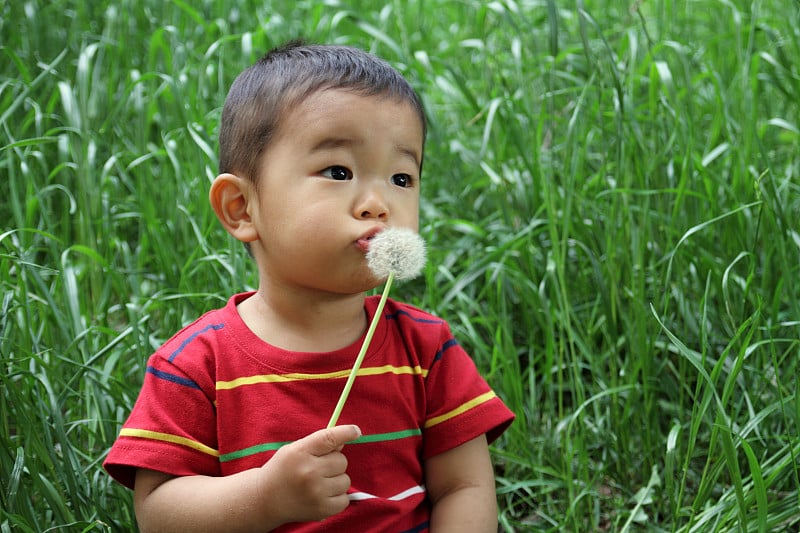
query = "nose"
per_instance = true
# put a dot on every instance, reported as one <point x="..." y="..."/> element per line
<point x="371" y="204"/>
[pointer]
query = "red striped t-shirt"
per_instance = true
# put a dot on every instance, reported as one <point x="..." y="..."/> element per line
<point x="217" y="400"/>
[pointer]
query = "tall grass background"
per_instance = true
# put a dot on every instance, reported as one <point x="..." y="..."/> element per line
<point x="611" y="204"/>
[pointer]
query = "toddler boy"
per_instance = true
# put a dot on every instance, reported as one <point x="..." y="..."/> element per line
<point x="321" y="148"/>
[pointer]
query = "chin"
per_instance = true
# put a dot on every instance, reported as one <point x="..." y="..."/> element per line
<point x="366" y="285"/>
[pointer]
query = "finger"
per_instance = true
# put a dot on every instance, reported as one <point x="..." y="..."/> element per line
<point x="335" y="486"/>
<point x="327" y="440"/>
<point x="332" y="464"/>
<point x="337" y="504"/>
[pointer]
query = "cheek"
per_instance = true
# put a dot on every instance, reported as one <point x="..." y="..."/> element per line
<point x="408" y="214"/>
<point x="411" y="223"/>
<point x="312" y="221"/>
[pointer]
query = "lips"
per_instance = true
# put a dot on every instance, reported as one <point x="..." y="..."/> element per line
<point x="363" y="242"/>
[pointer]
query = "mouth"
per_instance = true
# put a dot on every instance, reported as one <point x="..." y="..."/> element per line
<point x="363" y="242"/>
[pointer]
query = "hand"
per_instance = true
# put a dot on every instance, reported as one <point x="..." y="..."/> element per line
<point x="306" y="479"/>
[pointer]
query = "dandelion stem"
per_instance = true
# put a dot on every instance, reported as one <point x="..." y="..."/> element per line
<point x="364" y="347"/>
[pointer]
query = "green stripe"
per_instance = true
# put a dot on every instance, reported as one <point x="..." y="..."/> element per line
<point x="252" y="450"/>
<point x="381" y="437"/>
<point x="364" y="439"/>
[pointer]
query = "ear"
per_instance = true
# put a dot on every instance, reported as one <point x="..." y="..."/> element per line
<point x="230" y="197"/>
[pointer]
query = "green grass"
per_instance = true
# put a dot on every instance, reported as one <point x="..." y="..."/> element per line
<point x="612" y="201"/>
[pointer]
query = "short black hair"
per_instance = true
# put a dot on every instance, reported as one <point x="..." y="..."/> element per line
<point x="261" y="95"/>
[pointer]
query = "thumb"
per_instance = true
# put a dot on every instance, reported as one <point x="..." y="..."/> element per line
<point x="327" y="440"/>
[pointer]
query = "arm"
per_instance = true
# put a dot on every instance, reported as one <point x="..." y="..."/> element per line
<point x="460" y="483"/>
<point x="303" y="481"/>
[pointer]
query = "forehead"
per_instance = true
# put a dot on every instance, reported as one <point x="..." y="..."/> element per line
<point x="339" y="112"/>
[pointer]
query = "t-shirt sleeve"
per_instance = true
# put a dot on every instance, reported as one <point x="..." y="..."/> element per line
<point x="461" y="406"/>
<point x="172" y="427"/>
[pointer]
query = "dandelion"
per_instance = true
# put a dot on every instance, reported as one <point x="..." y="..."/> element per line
<point x="394" y="253"/>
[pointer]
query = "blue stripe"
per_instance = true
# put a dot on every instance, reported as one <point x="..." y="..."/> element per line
<point x="446" y="346"/>
<point x="172" y="378"/>
<point x="416" y="529"/>
<point x="415" y="319"/>
<point x="192" y="337"/>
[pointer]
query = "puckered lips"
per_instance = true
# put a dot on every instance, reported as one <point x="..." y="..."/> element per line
<point x="363" y="242"/>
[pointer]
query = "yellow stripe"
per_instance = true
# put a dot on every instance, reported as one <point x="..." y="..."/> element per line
<point x="389" y="369"/>
<point x="168" y="437"/>
<point x="276" y="378"/>
<point x="284" y="378"/>
<point x="460" y="409"/>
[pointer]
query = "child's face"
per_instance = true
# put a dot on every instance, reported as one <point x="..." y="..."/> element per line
<point x="341" y="168"/>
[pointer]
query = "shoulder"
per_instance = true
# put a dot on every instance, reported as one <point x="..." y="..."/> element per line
<point x="421" y="334"/>
<point x="408" y="313"/>
<point x="204" y="335"/>
<point x="411" y="321"/>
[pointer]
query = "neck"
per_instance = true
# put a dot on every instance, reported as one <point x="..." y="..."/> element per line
<point x="305" y="321"/>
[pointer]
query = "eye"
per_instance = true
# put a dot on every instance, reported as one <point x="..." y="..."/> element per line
<point x="337" y="173"/>
<point x="402" y="180"/>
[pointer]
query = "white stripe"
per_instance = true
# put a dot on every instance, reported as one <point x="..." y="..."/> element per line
<point x="358" y="496"/>
<point x="419" y="489"/>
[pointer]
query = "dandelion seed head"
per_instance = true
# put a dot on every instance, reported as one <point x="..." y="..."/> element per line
<point x="398" y="250"/>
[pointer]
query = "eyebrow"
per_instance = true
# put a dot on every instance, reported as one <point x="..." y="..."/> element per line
<point x="410" y="152"/>
<point x="331" y="143"/>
